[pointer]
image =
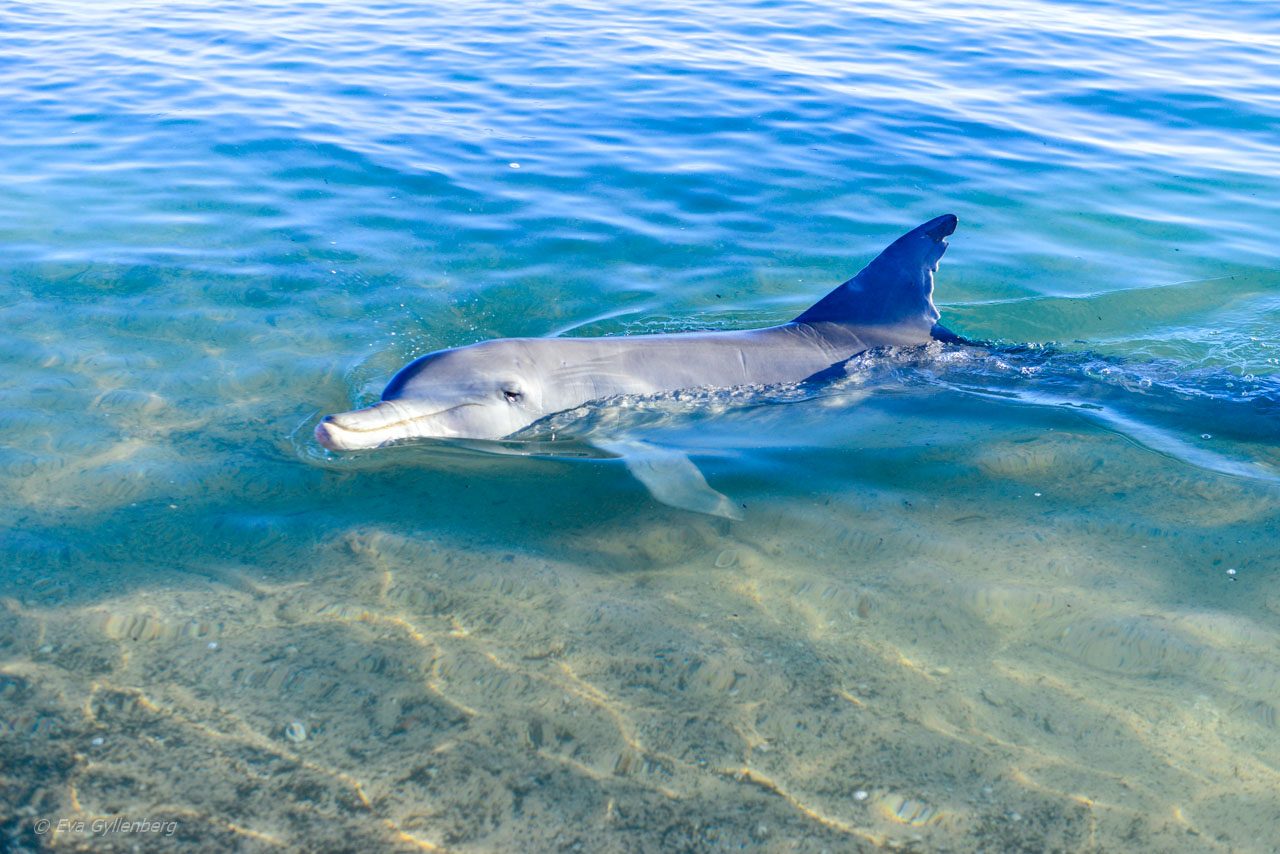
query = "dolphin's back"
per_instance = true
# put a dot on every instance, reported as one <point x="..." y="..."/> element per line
<point x="644" y="364"/>
<point x="894" y="290"/>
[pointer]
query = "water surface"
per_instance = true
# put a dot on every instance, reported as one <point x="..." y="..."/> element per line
<point x="1018" y="599"/>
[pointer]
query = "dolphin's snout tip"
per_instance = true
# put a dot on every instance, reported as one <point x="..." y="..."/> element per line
<point x="361" y="429"/>
<point x="325" y="434"/>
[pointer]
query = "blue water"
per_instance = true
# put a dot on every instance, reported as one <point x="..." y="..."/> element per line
<point x="994" y="599"/>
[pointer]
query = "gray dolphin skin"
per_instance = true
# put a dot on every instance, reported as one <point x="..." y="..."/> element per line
<point x="493" y="389"/>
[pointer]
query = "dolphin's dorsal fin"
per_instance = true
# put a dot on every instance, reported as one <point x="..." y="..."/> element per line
<point x="895" y="288"/>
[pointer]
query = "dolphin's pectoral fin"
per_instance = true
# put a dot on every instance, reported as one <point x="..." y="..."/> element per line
<point x="671" y="477"/>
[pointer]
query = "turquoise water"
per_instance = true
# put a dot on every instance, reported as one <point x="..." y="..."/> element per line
<point x="1009" y="599"/>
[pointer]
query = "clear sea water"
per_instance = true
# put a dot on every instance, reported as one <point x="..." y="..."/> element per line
<point x="1017" y="599"/>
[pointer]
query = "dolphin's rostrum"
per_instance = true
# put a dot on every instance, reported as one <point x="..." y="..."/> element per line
<point x="493" y="389"/>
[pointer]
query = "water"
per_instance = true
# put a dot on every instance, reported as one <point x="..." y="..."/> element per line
<point x="980" y="600"/>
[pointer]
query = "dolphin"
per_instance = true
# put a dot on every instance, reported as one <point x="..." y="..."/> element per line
<point x="493" y="389"/>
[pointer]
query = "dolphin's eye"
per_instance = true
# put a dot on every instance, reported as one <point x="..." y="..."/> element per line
<point x="512" y="395"/>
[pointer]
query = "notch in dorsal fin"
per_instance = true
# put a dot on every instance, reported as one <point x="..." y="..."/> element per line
<point x="895" y="288"/>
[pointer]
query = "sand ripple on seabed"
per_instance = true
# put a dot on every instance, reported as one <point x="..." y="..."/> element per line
<point x="437" y="699"/>
<point x="1103" y="467"/>
<point x="447" y="698"/>
<point x="874" y="686"/>
<point x="1003" y="626"/>
<point x="1175" y="710"/>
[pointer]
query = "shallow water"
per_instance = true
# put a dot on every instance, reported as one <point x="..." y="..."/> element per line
<point x="981" y="599"/>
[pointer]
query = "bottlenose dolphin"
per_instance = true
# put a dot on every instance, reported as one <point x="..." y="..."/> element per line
<point x="493" y="389"/>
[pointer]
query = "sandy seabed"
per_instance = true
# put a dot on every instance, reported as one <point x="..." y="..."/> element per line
<point x="828" y="675"/>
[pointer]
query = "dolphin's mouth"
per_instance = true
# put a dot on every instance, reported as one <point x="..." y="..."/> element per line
<point x="378" y="425"/>
<point x="336" y="438"/>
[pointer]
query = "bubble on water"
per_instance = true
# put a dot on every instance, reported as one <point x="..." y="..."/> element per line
<point x="1206" y="435"/>
<point x="296" y="732"/>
